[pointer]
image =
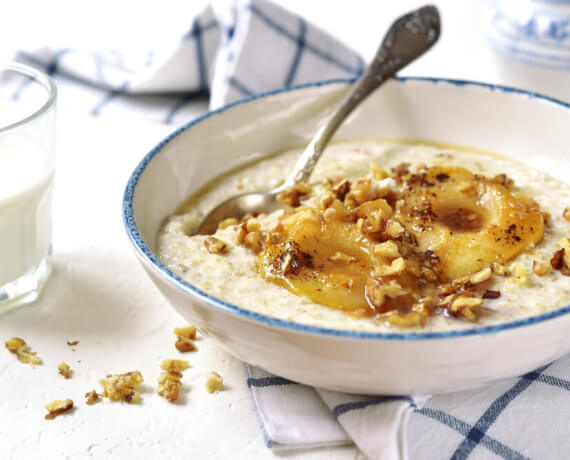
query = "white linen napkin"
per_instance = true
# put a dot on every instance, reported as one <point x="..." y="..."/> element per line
<point x="246" y="47"/>
<point x="294" y="416"/>
<point x="230" y="50"/>
<point x="520" y="418"/>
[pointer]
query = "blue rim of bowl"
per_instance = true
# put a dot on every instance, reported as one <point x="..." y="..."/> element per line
<point x="164" y="272"/>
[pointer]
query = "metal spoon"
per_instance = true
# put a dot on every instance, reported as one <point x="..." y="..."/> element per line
<point x="408" y="38"/>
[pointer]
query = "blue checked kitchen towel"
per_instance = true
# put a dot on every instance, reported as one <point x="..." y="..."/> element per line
<point x="233" y="50"/>
<point x="230" y="50"/>
<point x="521" y="418"/>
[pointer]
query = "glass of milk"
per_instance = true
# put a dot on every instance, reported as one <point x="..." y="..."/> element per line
<point x="27" y="160"/>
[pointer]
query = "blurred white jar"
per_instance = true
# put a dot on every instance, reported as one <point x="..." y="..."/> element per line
<point x="27" y="159"/>
<point x="533" y="39"/>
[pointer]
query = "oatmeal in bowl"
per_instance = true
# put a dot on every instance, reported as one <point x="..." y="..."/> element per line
<point x="404" y="266"/>
<point x="388" y="236"/>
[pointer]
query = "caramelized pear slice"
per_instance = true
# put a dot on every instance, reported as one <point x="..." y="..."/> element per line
<point x="468" y="221"/>
<point x="325" y="261"/>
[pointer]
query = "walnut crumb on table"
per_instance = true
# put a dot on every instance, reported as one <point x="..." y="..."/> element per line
<point x="169" y="381"/>
<point x="184" y="344"/>
<point x="185" y="337"/>
<point x="186" y="331"/>
<point x="92" y="397"/>
<point x="214" y="382"/>
<point x="122" y="387"/>
<point x="64" y="369"/>
<point x="174" y="365"/>
<point x="19" y="347"/>
<point x="58" y="407"/>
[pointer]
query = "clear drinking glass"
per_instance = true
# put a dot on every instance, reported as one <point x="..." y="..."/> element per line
<point x="27" y="160"/>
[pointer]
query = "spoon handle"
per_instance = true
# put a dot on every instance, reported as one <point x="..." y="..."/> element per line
<point x="408" y="38"/>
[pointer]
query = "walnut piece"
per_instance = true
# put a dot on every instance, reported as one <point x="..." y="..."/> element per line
<point x="169" y="381"/>
<point x="185" y="337"/>
<point x="64" y="369"/>
<point x="186" y="331"/>
<point x="377" y="290"/>
<point x="292" y="195"/>
<point x="58" y="407"/>
<point x="169" y="384"/>
<point x="395" y="268"/>
<point x="122" y="387"/>
<point x="566" y="214"/>
<point x="92" y="397"/>
<point x="377" y="172"/>
<point x="499" y="269"/>
<point x="214" y="382"/>
<point x="177" y="365"/>
<point x="540" y="268"/>
<point x="388" y="249"/>
<point x="360" y="193"/>
<point x="463" y="305"/>
<point x="341" y="189"/>
<point x="215" y="245"/>
<point x="481" y="276"/>
<point x="253" y="225"/>
<point x="19" y="347"/>
<point x="184" y="344"/>
<point x="413" y="319"/>
<point x="227" y="223"/>
<point x="561" y="261"/>
<point x="252" y="241"/>
<point x="14" y="344"/>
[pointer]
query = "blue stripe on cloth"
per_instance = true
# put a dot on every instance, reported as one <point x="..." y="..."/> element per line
<point x="280" y="29"/>
<point x="23" y="56"/>
<point x="21" y="88"/>
<point x="229" y="32"/>
<point x="298" y="53"/>
<point x="461" y="427"/>
<point x="234" y="83"/>
<point x="347" y="407"/>
<point x="268" y="382"/>
<point x="473" y="438"/>
<point x="554" y="381"/>
<point x="52" y="67"/>
<point x="49" y="68"/>
<point x="196" y="33"/>
<point x="113" y="94"/>
<point x="361" y="65"/>
<point x="268" y="441"/>
<point x="149" y="59"/>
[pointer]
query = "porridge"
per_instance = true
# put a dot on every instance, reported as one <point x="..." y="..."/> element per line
<point x="389" y="235"/>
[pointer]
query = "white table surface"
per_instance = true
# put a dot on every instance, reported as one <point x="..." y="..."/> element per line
<point x="99" y="295"/>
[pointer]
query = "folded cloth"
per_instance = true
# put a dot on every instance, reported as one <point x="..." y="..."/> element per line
<point x="231" y="50"/>
<point x="525" y="417"/>
<point x="294" y="416"/>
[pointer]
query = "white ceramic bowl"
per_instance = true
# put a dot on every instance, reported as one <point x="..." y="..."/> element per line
<point x="521" y="125"/>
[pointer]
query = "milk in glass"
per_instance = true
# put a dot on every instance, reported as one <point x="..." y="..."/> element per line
<point x="25" y="207"/>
